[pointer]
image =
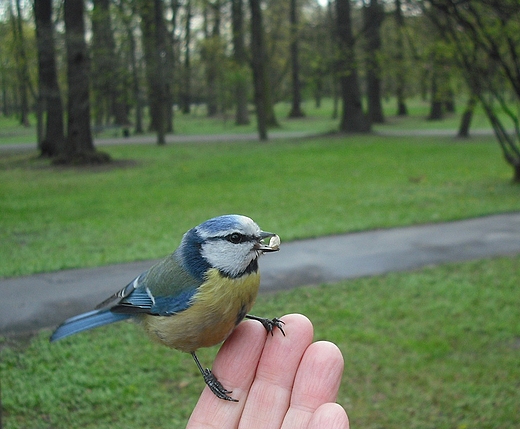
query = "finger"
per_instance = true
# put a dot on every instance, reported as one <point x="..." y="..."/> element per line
<point x="330" y="416"/>
<point x="235" y="367"/>
<point x="317" y="382"/>
<point x="269" y="397"/>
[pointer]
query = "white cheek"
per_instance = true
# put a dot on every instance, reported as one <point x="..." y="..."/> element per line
<point x="228" y="257"/>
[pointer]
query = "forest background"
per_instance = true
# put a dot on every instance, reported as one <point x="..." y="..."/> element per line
<point x="84" y="66"/>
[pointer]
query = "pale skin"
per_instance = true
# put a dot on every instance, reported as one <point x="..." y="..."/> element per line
<point x="280" y="382"/>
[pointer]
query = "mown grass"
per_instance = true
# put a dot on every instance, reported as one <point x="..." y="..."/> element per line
<point x="435" y="348"/>
<point x="56" y="218"/>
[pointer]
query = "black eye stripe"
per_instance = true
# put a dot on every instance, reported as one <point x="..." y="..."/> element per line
<point x="237" y="238"/>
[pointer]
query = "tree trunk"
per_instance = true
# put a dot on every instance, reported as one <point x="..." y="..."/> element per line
<point x="436" y="113"/>
<point x="186" y="88"/>
<point x="134" y="66"/>
<point x="401" y="71"/>
<point x="79" y="148"/>
<point x="240" y="58"/>
<point x="352" y="117"/>
<point x="374" y="15"/>
<point x="296" y="111"/>
<point x="449" y="103"/>
<point x="212" y="55"/>
<point x="467" y="117"/>
<point x="52" y="141"/>
<point x="169" y="64"/>
<point x="21" y="63"/>
<point x="258" y="65"/>
<point x="156" y="57"/>
<point x="106" y="71"/>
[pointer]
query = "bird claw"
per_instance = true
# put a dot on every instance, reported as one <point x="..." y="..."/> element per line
<point x="216" y="386"/>
<point x="211" y="381"/>
<point x="269" y="324"/>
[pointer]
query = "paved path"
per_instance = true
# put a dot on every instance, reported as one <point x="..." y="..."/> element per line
<point x="215" y="138"/>
<point x="172" y="138"/>
<point x="43" y="300"/>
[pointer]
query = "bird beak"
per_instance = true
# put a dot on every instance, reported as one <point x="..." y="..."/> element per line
<point x="274" y="242"/>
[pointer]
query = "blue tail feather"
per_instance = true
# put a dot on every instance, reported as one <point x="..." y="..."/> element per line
<point x="85" y="321"/>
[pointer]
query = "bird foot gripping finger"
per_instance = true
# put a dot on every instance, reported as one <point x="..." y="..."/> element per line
<point x="269" y="324"/>
<point x="216" y="386"/>
<point x="211" y="381"/>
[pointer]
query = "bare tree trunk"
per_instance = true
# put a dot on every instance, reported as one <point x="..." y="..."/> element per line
<point x="240" y="58"/>
<point x="467" y="116"/>
<point x="154" y="39"/>
<point x="21" y="62"/>
<point x="258" y="65"/>
<point x="352" y="117"/>
<point x="52" y="141"/>
<point x="374" y="15"/>
<point x="79" y="147"/>
<point x="400" y="64"/>
<point x="186" y="89"/>
<point x="133" y="64"/>
<point x="170" y="65"/>
<point x="296" y="111"/>
<point x="436" y="112"/>
<point x="211" y="56"/>
<point x="106" y="70"/>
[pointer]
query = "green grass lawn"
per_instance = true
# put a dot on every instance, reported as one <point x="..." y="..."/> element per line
<point x="54" y="218"/>
<point x="435" y="348"/>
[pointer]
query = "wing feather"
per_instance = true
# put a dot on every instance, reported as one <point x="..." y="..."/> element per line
<point x="163" y="290"/>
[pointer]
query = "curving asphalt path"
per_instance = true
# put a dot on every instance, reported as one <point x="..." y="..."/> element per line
<point x="44" y="300"/>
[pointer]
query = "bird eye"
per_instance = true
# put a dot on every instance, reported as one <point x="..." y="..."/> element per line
<point x="235" y="238"/>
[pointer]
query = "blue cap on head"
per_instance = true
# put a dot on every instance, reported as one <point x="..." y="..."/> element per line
<point x="223" y="224"/>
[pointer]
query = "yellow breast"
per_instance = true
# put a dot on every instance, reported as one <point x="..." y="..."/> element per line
<point x="218" y="306"/>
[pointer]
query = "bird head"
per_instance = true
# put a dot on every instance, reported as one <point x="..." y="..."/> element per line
<point x="229" y="243"/>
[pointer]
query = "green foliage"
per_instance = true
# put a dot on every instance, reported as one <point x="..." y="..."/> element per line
<point x="139" y="207"/>
<point x="433" y="348"/>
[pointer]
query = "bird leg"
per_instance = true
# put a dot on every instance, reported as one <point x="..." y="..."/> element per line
<point x="214" y="385"/>
<point x="269" y="324"/>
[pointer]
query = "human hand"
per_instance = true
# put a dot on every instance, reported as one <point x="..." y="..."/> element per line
<point x="280" y="382"/>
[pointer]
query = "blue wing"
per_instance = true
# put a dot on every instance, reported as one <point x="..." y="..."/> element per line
<point x="165" y="289"/>
<point x="141" y="300"/>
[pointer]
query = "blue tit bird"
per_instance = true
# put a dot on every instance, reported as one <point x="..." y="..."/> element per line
<point x="196" y="296"/>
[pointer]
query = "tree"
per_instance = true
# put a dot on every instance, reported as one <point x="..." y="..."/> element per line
<point x="127" y="13"/>
<point x="467" y="116"/>
<point x="240" y="60"/>
<point x="399" y="59"/>
<point x="24" y="83"/>
<point x="487" y="40"/>
<point x="296" y="111"/>
<point x="107" y="74"/>
<point x="258" y="64"/>
<point x="185" y="94"/>
<point x="49" y="98"/>
<point x="212" y="54"/>
<point x="352" y="117"/>
<point x="156" y="56"/>
<point x="373" y="17"/>
<point x="79" y="148"/>
<point x="440" y="69"/>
